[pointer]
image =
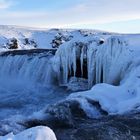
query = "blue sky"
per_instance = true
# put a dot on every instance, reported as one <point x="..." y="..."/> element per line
<point x="110" y="15"/>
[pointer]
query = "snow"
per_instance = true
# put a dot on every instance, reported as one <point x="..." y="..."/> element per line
<point x="116" y="99"/>
<point x="35" y="133"/>
<point x="42" y="38"/>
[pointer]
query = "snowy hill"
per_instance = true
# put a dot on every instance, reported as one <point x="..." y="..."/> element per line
<point x="28" y="38"/>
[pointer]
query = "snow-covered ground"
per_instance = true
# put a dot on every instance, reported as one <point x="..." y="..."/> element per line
<point x="107" y="64"/>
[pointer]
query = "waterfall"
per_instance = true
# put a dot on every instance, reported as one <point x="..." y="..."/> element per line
<point x="99" y="63"/>
<point x="29" y="68"/>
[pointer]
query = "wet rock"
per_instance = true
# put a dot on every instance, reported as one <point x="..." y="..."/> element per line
<point x="122" y="127"/>
<point x="70" y="122"/>
<point x="60" y="115"/>
<point x="98" y="106"/>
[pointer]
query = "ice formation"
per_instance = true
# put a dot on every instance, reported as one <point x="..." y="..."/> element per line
<point x="96" y="58"/>
<point x="97" y="61"/>
<point x="100" y="60"/>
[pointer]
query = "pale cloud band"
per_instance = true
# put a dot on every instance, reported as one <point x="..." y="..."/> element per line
<point x="85" y="13"/>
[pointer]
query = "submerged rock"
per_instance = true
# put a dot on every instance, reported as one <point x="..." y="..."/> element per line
<point x="66" y="113"/>
<point x="60" y="115"/>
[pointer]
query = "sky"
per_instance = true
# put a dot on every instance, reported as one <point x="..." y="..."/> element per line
<point x="109" y="15"/>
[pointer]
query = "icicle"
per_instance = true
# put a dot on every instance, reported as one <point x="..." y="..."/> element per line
<point x="91" y="66"/>
<point x="81" y="60"/>
<point x="74" y="60"/>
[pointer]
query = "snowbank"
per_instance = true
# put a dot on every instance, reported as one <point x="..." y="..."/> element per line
<point x="35" y="133"/>
<point x="115" y="99"/>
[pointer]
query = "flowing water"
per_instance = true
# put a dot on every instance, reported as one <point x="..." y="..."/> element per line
<point x="27" y="84"/>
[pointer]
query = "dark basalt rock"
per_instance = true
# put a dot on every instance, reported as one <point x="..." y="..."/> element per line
<point x="60" y="115"/>
<point x="64" y="114"/>
<point x="98" y="106"/>
<point x="60" y="39"/>
<point x="13" y="44"/>
<point x="27" y="41"/>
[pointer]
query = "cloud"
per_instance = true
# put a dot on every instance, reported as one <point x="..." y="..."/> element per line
<point x="95" y="12"/>
<point x="84" y="13"/>
<point x="4" y="4"/>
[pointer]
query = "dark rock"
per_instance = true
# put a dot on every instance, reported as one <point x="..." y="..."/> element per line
<point x="101" y="42"/>
<point x="98" y="106"/>
<point x="13" y="44"/>
<point x="60" y="115"/>
<point x="27" y="41"/>
<point x="60" y="39"/>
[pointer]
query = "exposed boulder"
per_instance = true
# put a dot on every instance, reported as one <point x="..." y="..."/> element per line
<point x="13" y="44"/>
<point x="60" y="39"/>
<point x="28" y="41"/>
